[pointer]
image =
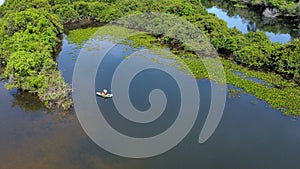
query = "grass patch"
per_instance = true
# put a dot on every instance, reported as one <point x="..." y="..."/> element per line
<point x="79" y="36"/>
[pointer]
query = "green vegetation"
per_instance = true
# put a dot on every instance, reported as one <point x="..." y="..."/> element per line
<point x="29" y="36"/>
<point x="279" y="93"/>
<point x="28" y="40"/>
<point x="285" y="95"/>
<point x="81" y="35"/>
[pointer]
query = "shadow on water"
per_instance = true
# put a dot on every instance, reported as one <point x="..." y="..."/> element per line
<point x="28" y="102"/>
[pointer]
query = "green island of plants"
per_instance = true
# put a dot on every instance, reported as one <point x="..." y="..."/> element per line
<point x="29" y="37"/>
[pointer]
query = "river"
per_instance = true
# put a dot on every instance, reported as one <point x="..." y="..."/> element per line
<point x="251" y="133"/>
<point x="246" y="20"/>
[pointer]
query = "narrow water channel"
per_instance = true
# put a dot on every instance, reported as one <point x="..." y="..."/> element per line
<point x="251" y="133"/>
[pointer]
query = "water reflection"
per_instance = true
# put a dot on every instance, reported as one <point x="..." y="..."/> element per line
<point x="247" y="21"/>
<point x="28" y="102"/>
<point x="251" y="27"/>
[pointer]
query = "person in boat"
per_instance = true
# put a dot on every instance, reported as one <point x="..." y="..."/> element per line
<point x="104" y="92"/>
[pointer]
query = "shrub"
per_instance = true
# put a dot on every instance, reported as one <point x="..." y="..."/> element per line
<point x="252" y="56"/>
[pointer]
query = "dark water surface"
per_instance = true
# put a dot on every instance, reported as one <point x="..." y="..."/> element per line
<point x="251" y="133"/>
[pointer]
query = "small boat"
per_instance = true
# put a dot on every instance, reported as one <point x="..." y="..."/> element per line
<point x="108" y="95"/>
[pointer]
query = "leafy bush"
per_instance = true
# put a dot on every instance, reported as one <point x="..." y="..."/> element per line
<point x="257" y="37"/>
<point x="276" y="3"/>
<point x="24" y="70"/>
<point x="21" y="5"/>
<point x="288" y="59"/>
<point x="211" y="25"/>
<point x="65" y="12"/>
<point x="28" y="39"/>
<point x="252" y="56"/>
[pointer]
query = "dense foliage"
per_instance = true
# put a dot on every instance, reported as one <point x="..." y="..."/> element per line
<point x="29" y="31"/>
<point x="28" y="41"/>
<point x="253" y="50"/>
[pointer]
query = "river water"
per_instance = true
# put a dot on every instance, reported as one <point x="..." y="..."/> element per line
<point x="251" y="134"/>
<point x="247" y="21"/>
